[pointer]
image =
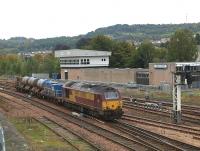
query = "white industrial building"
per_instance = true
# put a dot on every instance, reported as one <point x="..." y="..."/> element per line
<point x="78" y="58"/>
<point x="74" y="59"/>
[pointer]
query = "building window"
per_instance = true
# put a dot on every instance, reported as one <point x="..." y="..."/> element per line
<point x="69" y="62"/>
<point x="88" y="61"/>
<point x="84" y="61"/>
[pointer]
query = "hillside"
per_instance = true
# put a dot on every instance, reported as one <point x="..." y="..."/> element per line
<point x="19" y="44"/>
<point x="141" y="32"/>
<point x="136" y="33"/>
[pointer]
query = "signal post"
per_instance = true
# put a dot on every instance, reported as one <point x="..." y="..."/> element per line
<point x="184" y="74"/>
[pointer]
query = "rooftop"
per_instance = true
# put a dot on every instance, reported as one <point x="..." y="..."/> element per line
<point x="177" y="63"/>
<point x="81" y="53"/>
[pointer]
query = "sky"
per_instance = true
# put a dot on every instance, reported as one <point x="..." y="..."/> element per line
<point x="53" y="18"/>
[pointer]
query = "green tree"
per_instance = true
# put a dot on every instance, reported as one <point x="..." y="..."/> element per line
<point x="197" y="37"/>
<point x="182" y="46"/>
<point x="18" y="65"/>
<point x="160" y="55"/>
<point x="121" y="51"/>
<point x="144" y="55"/>
<point x="83" y="42"/>
<point x="100" y="42"/>
<point x="61" y="47"/>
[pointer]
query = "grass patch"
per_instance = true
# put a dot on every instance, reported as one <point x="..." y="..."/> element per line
<point x="38" y="136"/>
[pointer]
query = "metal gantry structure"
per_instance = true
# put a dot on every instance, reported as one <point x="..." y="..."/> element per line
<point x="184" y="74"/>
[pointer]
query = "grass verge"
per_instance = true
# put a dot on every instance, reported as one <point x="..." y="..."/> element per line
<point x="38" y="136"/>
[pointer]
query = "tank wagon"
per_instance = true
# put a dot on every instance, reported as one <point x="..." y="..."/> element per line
<point x="94" y="99"/>
<point x="41" y="88"/>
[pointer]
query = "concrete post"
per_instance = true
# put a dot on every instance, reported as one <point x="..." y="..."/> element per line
<point x="176" y="112"/>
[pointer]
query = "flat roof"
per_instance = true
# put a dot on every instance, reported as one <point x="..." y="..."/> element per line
<point x="80" y="53"/>
<point x="188" y="63"/>
<point x="178" y="63"/>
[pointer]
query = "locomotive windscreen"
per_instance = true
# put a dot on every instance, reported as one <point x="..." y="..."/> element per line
<point x="111" y="95"/>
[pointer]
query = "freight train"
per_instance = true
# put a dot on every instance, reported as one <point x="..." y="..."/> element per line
<point x="98" y="100"/>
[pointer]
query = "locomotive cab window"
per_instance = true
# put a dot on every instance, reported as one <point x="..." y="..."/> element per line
<point x="111" y="95"/>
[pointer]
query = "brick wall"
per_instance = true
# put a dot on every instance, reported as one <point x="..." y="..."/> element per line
<point x="102" y="74"/>
<point x="157" y="76"/>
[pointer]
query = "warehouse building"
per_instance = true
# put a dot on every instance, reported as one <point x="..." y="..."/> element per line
<point x="114" y="75"/>
<point x="162" y="73"/>
<point x="92" y="65"/>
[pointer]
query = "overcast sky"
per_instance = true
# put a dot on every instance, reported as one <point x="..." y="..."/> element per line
<point x="51" y="18"/>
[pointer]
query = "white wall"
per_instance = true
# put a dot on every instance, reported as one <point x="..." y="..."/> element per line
<point x="94" y="62"/>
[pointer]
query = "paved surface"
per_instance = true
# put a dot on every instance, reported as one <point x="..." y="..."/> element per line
<point x="13" y="139"/>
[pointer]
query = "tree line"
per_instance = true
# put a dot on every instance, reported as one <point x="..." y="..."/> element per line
<point x="140" y="32"/>
<point x="182" y="46"/>
<point x="137" y="33"/>
<point x="12" y="64"/>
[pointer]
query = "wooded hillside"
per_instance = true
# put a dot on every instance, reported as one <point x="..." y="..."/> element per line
<point x="135" y="33"/>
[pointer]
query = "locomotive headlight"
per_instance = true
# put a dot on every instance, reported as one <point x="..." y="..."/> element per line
<point x="104" y="105"/>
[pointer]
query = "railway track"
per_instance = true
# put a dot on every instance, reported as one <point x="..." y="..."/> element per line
<point x="165" y="113"/>
<point x="145" y="138"/>
<point x="61" y="131"/>
<point x="187" y="109"/>
<point x="180" y="128"/>
<point x="55" y="127"/>
<point x="163" y="143"/>
<point x="129" y="141"/>
<point x="7" y="83"/>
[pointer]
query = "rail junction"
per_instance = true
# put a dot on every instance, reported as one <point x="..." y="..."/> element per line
<point x="131" y="132"/>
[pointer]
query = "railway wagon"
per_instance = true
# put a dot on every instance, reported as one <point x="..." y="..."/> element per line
<point x="41" y="88"/>
<point x="52" y="91"/>
<point x="94" y="99"/>
<point x="21" y="83"/>
<point x="32" y="85"/>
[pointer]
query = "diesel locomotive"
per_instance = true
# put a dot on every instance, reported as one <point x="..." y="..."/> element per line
<point x="98" y="100"/>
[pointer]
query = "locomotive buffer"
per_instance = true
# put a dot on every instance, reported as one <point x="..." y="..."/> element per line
<point x="184" y="74"/>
